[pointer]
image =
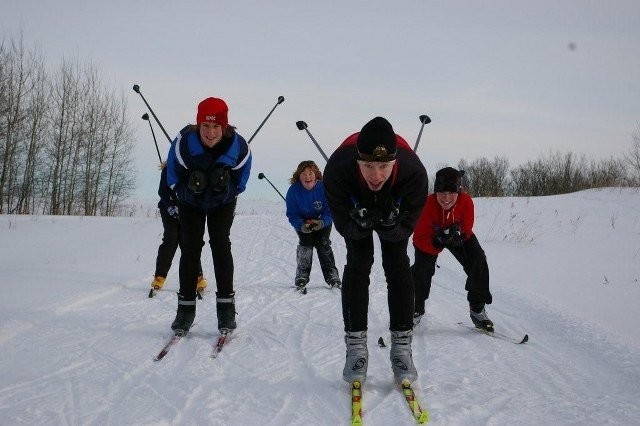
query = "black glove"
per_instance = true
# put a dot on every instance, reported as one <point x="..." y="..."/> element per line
<point x="173" y="212"/>
<point x="219" y="178"/>
<point x="392" y="218"/>
<point x="448" y="237"/>
<point x="197" y="181"/>
<point x="365" y="218"/>
<point x="391" y="228"/>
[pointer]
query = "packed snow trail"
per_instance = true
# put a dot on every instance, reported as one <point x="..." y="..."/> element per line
<point x="78" y="333"/>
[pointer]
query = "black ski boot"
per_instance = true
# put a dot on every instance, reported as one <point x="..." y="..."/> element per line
<point x="226" y="310"/>
<point x="185" y="315"/>
<point x="479" y="317"/>
<point x="328" y="263"/>
<point x="304" y="257"/>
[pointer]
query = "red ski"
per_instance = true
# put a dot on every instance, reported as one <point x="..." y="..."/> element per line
<point x="222" y="339"/>
<point x="167" y="347"/>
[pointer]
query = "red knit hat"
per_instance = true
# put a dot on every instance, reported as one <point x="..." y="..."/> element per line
<point x="213" y="110"/>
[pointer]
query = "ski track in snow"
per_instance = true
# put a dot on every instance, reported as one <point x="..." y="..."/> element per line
<point x="78" y="333"/>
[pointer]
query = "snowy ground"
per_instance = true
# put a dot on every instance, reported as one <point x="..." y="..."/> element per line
<point x="78" y="333"/>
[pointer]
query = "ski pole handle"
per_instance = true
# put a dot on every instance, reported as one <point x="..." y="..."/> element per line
<point x="279" y="101"/>
<point x="262" y="176"/>
<point x="424" y="119"/>
<point x="301" y="125"/>
<point x="136" y="89"/>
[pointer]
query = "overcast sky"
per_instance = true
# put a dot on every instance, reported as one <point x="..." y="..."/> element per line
<point x="518" y="79"/>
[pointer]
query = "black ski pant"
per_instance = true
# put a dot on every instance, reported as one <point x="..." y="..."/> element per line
<point x="474" y="263"/>
<point x="304" y="255"/>
<point x="218" y="222"/>
<point x="355" y="283"/>
<point x="169" y="244"/>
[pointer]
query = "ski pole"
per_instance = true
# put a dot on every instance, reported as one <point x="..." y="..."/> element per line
<point x="279" y="101"/>
<point x="424" y="119"/>
<point x="262" y="176"/>
<point x="145" y="117"/>
<point x="301" y="125"/>
<point x="136" y="89"/>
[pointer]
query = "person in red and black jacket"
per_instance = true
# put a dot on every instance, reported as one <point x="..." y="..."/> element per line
<point x="374" y="182"/>
<point x="447" y="222"/>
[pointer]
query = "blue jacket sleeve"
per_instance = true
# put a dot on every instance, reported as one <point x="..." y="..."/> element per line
<point x="175" y="170"/>
<point x="240" y="175"/>
<point x="293" y="210"/>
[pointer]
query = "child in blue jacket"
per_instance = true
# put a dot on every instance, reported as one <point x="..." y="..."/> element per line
<point x="308" y="213"/>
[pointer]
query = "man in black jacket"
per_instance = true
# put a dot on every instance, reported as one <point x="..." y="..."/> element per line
<point x="375" y="183"/>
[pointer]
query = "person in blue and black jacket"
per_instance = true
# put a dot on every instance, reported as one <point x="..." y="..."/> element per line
<point x="308" y="213"/>
<point x="208" y="167"/>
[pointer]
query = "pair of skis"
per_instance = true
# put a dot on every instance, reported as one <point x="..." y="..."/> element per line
<point x="217" y="348"/>
<point x="302" y="289"/>
<point x="419" y="414"/>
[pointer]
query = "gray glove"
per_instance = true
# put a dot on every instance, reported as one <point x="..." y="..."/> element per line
<point x="317" y="224"/>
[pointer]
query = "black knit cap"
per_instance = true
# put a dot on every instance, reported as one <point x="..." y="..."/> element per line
<point x="377" y="141"/>
<point x="448" y="180"/>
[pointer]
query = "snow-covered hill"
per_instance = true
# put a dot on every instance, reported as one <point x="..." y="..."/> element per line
<point x="78" y="333"/>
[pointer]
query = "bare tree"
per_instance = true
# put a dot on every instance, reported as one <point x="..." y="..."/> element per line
<point x="632" y="157"/>
<point x="529" y="179"/>
<point x="606" y="173"/>
<point x="93" y="146"/>
<point x="22" y="92"/>
<point x="120" y="172"/>
<point x="484" y="178"/>
<point x="556" y="174"/>
<point x="63" y="149"/>
<point x="97" y="121"/>
<point x="108" y="175"/>
<point x="5" y="109"/>
<point x="4" y="102"/>
<point x="36" y="129"/>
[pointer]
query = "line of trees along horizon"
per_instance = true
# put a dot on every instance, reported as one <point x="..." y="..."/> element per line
<point x="556" y="173"/>
<point x="66" y="147"/>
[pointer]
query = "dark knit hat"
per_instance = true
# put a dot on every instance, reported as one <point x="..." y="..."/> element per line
<point x="213" y="110"/>
<point x="448" y="180"/>
<point x="377" y="141"/>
